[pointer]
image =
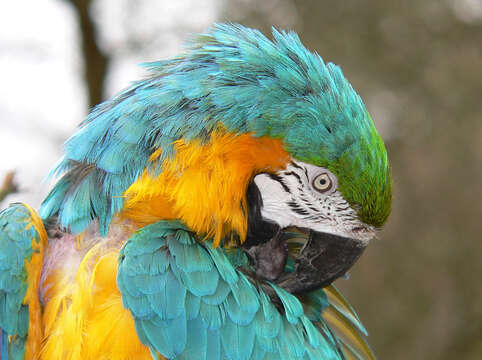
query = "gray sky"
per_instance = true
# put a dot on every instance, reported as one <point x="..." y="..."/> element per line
<point x="42" y="94"/>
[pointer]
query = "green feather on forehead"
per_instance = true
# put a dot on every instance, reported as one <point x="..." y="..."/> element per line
<point x="236" y="77"/>
<point x="282" y="90"/>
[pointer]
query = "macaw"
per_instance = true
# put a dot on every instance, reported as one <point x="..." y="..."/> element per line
<point x="203" y="213"/>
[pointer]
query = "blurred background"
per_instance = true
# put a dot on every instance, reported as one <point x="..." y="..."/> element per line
<point x="418" y="67"/>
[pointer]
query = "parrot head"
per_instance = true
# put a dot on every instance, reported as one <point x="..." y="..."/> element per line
<point x="247" y="141"/>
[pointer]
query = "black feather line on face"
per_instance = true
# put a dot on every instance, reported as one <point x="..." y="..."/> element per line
<point x="321" y="260"/>
<point x="292" y="173"/>
<point x="296" y="165"/>
<point x="280" y="180"/>
<point x="297" y="208"/>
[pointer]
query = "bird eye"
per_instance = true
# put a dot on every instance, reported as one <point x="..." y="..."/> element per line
<point x="322" y="183"/>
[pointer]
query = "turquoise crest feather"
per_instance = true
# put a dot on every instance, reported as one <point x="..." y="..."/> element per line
<point x="235" y="77"/>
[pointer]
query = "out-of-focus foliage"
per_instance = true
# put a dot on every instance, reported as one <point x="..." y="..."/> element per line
<point x="418" y="65"/>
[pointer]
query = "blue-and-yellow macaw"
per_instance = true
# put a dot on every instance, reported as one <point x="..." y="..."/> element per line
<point x="202" y="214"/>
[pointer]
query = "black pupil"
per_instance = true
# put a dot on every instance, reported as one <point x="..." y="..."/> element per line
<point x="323" y="181"/>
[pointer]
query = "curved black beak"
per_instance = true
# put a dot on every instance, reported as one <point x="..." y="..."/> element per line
<point x="319" y="258"/>
<point x="323" y="259"/>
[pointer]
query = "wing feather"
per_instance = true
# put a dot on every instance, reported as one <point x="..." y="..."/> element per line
<point x="22" y="242"/>
<point x="189" y="315"/>
<point x="337" y="319"/>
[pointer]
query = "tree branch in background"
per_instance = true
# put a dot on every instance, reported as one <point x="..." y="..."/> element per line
<point x="9" y="186"/>
<point x="95" y="61"/>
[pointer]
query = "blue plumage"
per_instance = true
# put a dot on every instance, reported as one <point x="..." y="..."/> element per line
<point x="235" y="77"/>
<point x="3" y="344"/>
<point x="16" y="237"/>
<point x="190" y="300"/>
<point x="165" y="302"/>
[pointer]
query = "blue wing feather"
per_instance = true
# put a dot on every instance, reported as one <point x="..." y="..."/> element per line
<point x="189" y="96"/>
<point x="337" y="320"/>
<point x="3" y="344"/>
<point x="234" y="321"/>
<point x="197" y="346"/>
<point x="16" y="237"/>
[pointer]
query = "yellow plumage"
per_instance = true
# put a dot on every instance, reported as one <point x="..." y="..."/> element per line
<point x="34" y="269"/>
<point x="83" y="316"/>
<point x="222" y="168"/>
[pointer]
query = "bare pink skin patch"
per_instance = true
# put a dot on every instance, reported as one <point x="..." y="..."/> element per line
<point x="66" y="251"/>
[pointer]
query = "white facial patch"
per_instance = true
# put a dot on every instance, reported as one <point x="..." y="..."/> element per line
<point x="304" y="195"/>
